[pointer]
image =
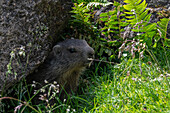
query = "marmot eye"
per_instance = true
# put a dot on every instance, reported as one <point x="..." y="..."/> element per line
<point x="72" y="50"/>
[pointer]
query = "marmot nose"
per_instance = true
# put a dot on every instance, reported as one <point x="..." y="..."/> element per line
<point x="90" y="53"/>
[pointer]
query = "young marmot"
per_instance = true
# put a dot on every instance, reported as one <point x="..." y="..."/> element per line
<point x="65" y="64"/>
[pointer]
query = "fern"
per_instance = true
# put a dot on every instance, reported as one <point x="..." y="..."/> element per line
<point x="137" y="11"/>
<point x="162" y="29"/>
<point x="138" y="17"/>
<point x="112" y="21"/>
<point x="111" y="24"/>
<point x="81" y="14"/>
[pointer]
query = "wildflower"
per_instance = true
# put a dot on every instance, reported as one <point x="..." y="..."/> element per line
<point x="138" y="34"/>
<point x="12" y="54"/>
<point x="67" y="110"/>
<point x="22" y="48"/>
<point x="157" y="79"/>
<point x="33" y="82"/>
<point x="42" y="90"/>
<point x="55" y="82"/>
<point x="43" y="97"/>
<point x="134" y="79"/>
<point x="128" y="73"/>
<point x="141" y="54"/>
<point x="21" y="53"/>
<point x="161" y="75"/>
<point x="46" y="81"/>
<point x="33" y="85"/>
<point x="57" y="91"/>
<point x="74" y="110"/>
<point x="53" y="86"/>
<point x="133" y="10"/>
<point x="18" y="107"/>
<point x="35" y="91"/>
<point x="64" y="100"/>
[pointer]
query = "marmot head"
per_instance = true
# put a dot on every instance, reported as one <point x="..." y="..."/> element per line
<point x="73" y="52"/>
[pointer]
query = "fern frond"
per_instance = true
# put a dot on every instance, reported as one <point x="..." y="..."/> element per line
<point x="113" y="21"/>
<point x="162" y="28"/>
<point x="81" y="14"/>
<point x="137" y="11"/>
<point x="138" y="16"/>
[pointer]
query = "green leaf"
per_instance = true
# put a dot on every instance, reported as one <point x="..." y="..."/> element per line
<point x="104" y="14"/>
<point x="142" y="8"/>
<point x="113" y="22"/>
<point x="122" y="30"/>
<point x="162" y="27"/>
<point x="130" y="1"/>
<point x="132" y="21"/>
<point x="113" y="17"/>
<point x="129" y="13"/>
<point x="167" y="42"/>
<point x="113" y="27"/>
<point x="150" y="27"/>
<point x="147" y="18"/>
<point x="103" y="19"/>
<point x="133" y="17"/>
<point x="139" y="1"/>
<point x="128" y="7"/>
<point x="111" y="12"/>
<point x="86" y="19"/>
<point x="144" y="14"/>
<point x="155" y="45"/>
<point x="105" y="28"/>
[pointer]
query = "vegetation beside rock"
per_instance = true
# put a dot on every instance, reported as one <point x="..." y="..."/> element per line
<point x="131" y="69"/>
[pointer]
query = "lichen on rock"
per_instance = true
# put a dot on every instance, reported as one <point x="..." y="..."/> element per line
<point x="28" y="28"/>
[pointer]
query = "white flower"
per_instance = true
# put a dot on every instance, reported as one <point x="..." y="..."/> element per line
<point x="74" y="110"/>
<point x="55" y="82"/>
<point x="57" y="91"/>
<point x="134" y="79"/>
<point x="12" y="54"/>
<point x="133" y="10"/>
<point x="42" y="90"/>
<point x="35" y="91"/>
<point x="64" y="100"/>
<point x="67" y="110"/>
<point x="161" y="75"/>
<point x="53" y="86"/>
<point x="22" y="48"/>
<point x="138" y="34"/>
<point x="33" y="85"/>
<point x="46" y="81"/>
<point x="21" y="53"/>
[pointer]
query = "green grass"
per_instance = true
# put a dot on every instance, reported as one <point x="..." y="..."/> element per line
<point x="114" y="91"/>
<point x="116" y="88"/>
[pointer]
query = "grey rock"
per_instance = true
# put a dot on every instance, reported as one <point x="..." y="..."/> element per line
<point x="28" y="28"/>
<point x="163" y="3"/>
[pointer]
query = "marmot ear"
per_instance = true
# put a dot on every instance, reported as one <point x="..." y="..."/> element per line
<point x="57" y="49"/>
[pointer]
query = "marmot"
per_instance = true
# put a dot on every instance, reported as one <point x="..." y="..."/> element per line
<point x="64" y="64"/>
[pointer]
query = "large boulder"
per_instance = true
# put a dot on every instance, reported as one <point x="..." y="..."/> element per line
<point x="28" y="29"/>
<point x="160" y="3"/>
